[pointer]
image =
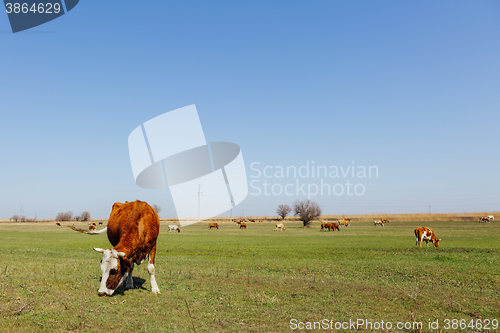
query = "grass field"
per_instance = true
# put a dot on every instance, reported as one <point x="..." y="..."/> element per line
<point x="253" y="280"/>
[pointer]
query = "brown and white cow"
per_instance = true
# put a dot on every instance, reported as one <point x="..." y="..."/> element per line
<point x="484" y="219"/>
<point x="343" y="223"/>
<point x="91" y="227"/>
<point x="384" y="220"/>
<point x="132" y="230"/>
<point x="280" y="226"/>
<point x="243" y="225"/>
<point x="376" y="223"/>
<point x="174" y="228"/>
<point x="426" y="234"/>
<point x="213" y="225"/>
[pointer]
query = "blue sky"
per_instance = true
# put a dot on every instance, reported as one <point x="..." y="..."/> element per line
<point x="410" y="87"/>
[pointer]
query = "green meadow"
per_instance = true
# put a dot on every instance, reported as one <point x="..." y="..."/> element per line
<point x="255" y="280"/>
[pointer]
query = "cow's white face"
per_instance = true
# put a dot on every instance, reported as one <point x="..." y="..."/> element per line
<point x="114" y="268"/>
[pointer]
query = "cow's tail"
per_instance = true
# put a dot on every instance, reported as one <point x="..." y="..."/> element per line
<point x="88" y="232"/>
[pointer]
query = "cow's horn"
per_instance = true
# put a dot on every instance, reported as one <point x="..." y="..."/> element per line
<point x="121" y="254"/>
<point x="99" y="249"/>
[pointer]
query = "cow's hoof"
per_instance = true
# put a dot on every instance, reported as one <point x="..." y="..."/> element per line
<point x="156" y="291"/>
<point x="129" y="286"/>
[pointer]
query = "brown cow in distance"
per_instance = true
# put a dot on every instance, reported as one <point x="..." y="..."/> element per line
<point x="426" y="234"/>
<point x="213" y="225"/>
<point x="330" y="226"/>
<point x="132" y="229"/>
<point x="58" y="224"/>
<point x="243" y="225"/>
<point x="91" y="227"/>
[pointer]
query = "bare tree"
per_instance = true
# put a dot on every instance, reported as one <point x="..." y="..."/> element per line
<point x="14" y="218"/>
<point x="157" y="209"/>
<point x="68" y="216"/>
<point x="306" y="210"/>
<point x="85" y="216"/>
<point x="283" y="211"/>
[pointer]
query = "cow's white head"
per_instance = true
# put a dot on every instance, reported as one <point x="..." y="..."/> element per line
<point x="115" y="268"/>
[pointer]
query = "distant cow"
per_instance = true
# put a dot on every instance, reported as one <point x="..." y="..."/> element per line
<point x="384" y="220"/>
<point x="280" y="226"/>
<point x="343" y="223"/>
<point x="213" y="225"/>
<point x="484" y="219"/>
<point x="58" y="224"/>
<point x="426" y="234"/>
<point x="252" y="220"/>
<point x="132" y="229"/>
<point x="347" y="219"/>
<point x="243" y="225"/>
<point x="330" y="226"/>
<point x="491" y="217"/>
<point x="174" y="228"/>
<point x="91" y="227"/>
<point x="376" y="223"/>
<point x="100" y="223"/>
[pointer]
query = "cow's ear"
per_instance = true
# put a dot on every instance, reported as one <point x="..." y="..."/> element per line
<point x="439" y="239"/>
<point x="99" y="250"/>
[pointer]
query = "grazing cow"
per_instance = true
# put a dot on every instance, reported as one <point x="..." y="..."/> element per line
<point x="343" y="223"/>
<point x="280" y="226"/>
<point x="330" y="226"/>
<point x="174" y="228"/>
<point x="243" y="225"/>
<point x="426" y="234"/>
<point x="91" y="227"/>
<point x="213" y="225"/>
<point x="100" y="223"/>
<point x="252" y="221"/>
<point x="132" y="230"/>
<point x="347" y="219"/>
<point x="484" y="219"/>
<point x="261" y="221"/>
<point x="376" y="223"/>
<point x="384" y="220"/>
<point x="58" y="224"/>
<point x="491" y="217"/>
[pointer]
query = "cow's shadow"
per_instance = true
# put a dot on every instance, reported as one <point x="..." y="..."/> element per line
<point x="138" y="284"/>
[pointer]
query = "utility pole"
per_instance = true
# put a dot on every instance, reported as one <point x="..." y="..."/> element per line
<point x="232" y="202"/>
<point x="199" y="194"/>
<point x="21" y="214"/>
<point x="429" y="209"/>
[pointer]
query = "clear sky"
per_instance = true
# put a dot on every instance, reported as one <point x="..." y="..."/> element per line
<point x="411" y="87"/>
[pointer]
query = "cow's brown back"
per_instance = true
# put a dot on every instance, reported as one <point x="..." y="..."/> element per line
<point x="133" y="228"/>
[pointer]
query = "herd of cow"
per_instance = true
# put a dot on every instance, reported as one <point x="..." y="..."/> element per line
<point x="133" y="229"/>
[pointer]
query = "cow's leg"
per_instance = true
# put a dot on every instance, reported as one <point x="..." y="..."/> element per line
<point x="130" y="281"/>
<point x="151" y="270"/>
